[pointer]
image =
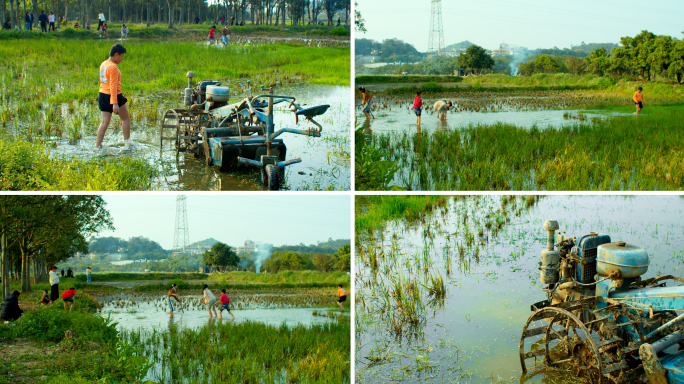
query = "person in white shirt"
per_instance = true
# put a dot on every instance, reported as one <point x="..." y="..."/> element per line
<point x="442" y="107"/>
<point x="100" y="20"/>
<point x="54" y="284"/>
<point x="209" y="300"/>
<point x="51" y="20"/>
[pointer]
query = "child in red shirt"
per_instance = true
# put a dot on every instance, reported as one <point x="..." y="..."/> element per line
<point x="224" y="303"/>
<point x="68" y="297"/>
<point x="417" y="106"/>
<point x="211" y="34"/>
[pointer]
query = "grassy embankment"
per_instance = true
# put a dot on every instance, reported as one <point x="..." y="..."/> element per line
<point x="52" y="75"/>
<point x="185" y="31"/>
<point x="618" y="153"/>
<point x="594" y="86"/>
<point x="36" y="348"/>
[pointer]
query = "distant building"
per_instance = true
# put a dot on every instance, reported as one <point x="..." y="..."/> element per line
<point x="197" y="249"/>
<point x="251" y="246"/>
<point x="503" y="50"/>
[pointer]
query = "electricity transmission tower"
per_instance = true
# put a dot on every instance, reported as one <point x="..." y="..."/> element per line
<point x="181" y="235"/>
<point x="436" y="43"/>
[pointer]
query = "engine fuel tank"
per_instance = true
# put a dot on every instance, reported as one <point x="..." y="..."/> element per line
<point x="630" y="260"/>
<point x="218" y="93"/>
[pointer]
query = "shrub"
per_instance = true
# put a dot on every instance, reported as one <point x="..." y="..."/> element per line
<point x="182" y="284"/>
<point x="50" y="323"/>
<point x="431" y="86"/>
<point x="339" y="31"/>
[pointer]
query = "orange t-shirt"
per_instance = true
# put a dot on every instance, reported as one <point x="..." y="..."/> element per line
<point x="341" y="292"/>
<point x="638" y="97"/>
<point x="110" y="80"/>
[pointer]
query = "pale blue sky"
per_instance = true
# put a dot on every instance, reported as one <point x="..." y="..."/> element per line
<point x="529" y="23"/>
<point x="290" y="219"/>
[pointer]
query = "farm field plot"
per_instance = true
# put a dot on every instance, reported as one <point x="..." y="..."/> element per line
<point x="49" y="113"/>
<point x="445" y="284"/>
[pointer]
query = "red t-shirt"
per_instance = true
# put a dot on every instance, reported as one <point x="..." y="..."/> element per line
<point x="211" y="33"/>
<point x="224" y="299"/>
<point x="417" y="102"/>
<point x="69" y="293"/>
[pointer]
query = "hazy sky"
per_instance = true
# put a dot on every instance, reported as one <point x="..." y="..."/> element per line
<point x="528" y="23"/>
<point x="233" y="219"/>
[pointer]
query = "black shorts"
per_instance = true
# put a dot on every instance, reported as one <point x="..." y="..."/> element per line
<point x="417" y="111"/>
<point x="342" y="299"/>
<point x="105" y="99"/>
<point x="641" y="105"/>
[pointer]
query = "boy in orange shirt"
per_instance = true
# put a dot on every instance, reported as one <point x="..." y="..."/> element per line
<point x="341" y="296"/>
<point x="638" y="101"/>
<point x="111" y="100"/>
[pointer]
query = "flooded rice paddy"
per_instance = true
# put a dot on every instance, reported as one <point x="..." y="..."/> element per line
<point x="545" y="111"/>
<point x="150" y="310"/>
<point x="445" y="299"/>
<point x="70" y="129"/>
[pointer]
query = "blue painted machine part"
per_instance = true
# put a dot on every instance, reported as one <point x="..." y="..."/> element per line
<point x="627" y="259"/>
<point x="313" y="111"/>
<point x="586" y="249"/>
<point x="674" y="364"/>
<point x="672" y="323"/>
<point x="661" y="298"/>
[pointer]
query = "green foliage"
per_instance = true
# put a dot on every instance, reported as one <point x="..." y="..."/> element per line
<point x="372" y="211"/>
<point x="475" y="59"/>
<point x="431" y="86"/>
<point x="373" y="172"/>
<point x="27" y="166"/>
<point x="104" y="277"/>
<point x="383" y="79"/>
<point x="141" y="244"/>
<point x="182" y="284"/>
<point x="50" y="323"/>
<point x="329" y="247"/>
<point x="340" y="31"/>
<point x="250" y="352"/>
<point x="220" y="256"/>
<point x="329" y="279"/>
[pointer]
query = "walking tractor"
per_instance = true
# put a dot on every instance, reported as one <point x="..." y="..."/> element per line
<point x="602" y="320"/>
<point x="241" y="133"/>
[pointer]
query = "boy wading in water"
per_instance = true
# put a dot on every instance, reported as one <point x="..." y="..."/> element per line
<point x="111" y="100"/>
<point x="341" y="296"/>
<point x="638" y="100"/>
<point x="442" y="107"/>
<point x="172" y="293"/>
<point x="212" y="33"/>
<point x="366" y="102"/>
<point x="224" y="303"/>
<point x="417" y="106"/>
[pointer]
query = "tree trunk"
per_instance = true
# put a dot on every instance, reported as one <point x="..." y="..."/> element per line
<point x="13" y="23"/>
<point x="170" y="3"/>
<point x="25" y="268"/>
<point x="35" y="14"/>
<point x="5" y="264"/>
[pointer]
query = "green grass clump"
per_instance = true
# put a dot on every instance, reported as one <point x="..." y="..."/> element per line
<point x="26" y="166"/>
<point x="374" y="210"/>
<point x="249" y="352"/>
<point x="122" y="276"/>
<point x="322" y="279"/>
<point x="618" y="153"/>
<point x="396" y="79"/>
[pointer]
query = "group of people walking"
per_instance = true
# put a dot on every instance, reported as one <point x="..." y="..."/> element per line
<point x="441" y="106"/>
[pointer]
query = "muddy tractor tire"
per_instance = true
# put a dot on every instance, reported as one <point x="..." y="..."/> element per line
<point x="271" y="177"/>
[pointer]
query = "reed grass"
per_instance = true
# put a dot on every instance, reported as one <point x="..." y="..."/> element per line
<point x="27" y="166"/>
<point x="618" y="153"/>
<point x="372" y="211"/>
<point x="247" y="352"/>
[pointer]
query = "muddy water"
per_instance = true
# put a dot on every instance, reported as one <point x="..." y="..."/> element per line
<point x="403" y="119"/>
<point x="154" y="314"/>
<point x="474" y="336"/>
<point x="325" y="162"/>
